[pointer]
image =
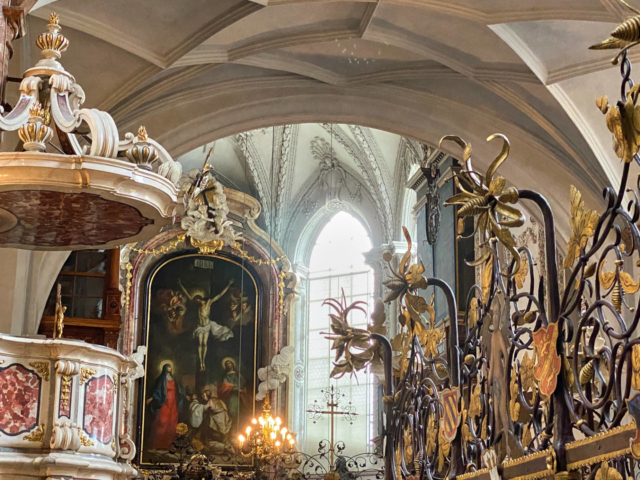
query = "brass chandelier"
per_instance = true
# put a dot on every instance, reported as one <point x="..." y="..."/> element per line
<point x="266" y="437"/>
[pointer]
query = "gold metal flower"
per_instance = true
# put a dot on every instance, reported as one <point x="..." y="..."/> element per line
<point x="486" y="198"/>
<point x="583" y="225"/>
<point x="346" y="337"/>
<point x="407" y="279"/>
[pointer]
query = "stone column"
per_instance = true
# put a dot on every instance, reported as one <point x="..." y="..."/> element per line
<point x="297" y="397"/>
<point x="26" y="280"/>
<point x="374" y="258"/>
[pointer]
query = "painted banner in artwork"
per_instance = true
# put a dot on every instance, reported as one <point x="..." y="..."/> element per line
<point x="202" y="348"/>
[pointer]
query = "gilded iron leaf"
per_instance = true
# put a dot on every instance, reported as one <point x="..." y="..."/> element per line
<point x="623" y="121"/>
<point x="522" y="273"/>
<point x="487" y="277"/>
<point x="472" y="315"/>
<point x="432" y="434"/>
<point x="627" y="283"/>
<point x="514" y="403"/>
<point x="605" y="472"/>
<point x="527" y="377"/>
<point x="475" y="405"/>
<point x="443" y="451"/>
<point x="526" y="436"/>
<point x="635" y="364"/>
<point x="583" y="224"/>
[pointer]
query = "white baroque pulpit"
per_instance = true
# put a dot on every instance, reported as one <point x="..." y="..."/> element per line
<point x="61" y="410"/>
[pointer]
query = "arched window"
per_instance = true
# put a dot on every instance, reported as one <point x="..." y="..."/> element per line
<point x="337" y="264"/>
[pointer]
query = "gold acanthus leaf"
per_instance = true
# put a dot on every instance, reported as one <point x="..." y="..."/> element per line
<point x="583" y="224"/>
<point x="487" y="277"/>
<point x="623" y="121"/>
<point x="522" y="273"/>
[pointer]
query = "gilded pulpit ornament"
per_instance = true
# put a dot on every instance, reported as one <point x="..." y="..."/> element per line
<point x="35" y="133"/>
<point x="141" y="153"/>
<point x="78" y="166"/>
<point x="52" y="43"/>
<point x="36" y="435"/>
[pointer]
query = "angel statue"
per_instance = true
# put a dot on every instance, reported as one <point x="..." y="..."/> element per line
<point x="205" y="325"/>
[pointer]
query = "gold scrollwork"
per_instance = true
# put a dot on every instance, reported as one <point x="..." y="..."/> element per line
<point x="115" y="383"/>
<point x="36" y="435"/>
<point x="86" y="374"/>
<point x="84" y="440"/>
<point x="42" y="368"/>
<point x="66" y="384"/>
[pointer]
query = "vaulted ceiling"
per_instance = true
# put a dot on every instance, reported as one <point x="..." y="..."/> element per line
<point x="200" y="70"/>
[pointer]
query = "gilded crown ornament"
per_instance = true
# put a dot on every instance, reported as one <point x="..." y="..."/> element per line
<point x="35" y="133"/>
<point x="141" y="153"/>
<point x="52" y="43"/>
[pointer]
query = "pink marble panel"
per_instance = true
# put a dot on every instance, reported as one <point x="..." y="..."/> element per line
<point x="98" y="408"/>
<point x="19" y="399"/>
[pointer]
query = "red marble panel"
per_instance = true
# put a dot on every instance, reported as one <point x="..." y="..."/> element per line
<point x="98" y="408"/>
<point x="56" y="219"/>
<point x="19" y="399"/>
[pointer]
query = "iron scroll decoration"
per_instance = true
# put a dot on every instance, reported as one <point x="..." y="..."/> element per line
<point x="540" y="378"/>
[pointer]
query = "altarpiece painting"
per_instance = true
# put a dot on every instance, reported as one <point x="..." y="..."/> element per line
<point x="202" y="335"/>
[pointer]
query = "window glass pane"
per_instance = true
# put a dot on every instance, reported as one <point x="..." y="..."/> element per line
<point x="91" y="261"/>
<point x="70" y="264"/>
<point x="84" y="307"/>
<point x="337" y="267"/>
<point x="89" y="286"/>
<point x="67" y="285"/>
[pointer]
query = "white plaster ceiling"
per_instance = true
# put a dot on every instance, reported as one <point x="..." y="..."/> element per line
<point x="199" y="71"/>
